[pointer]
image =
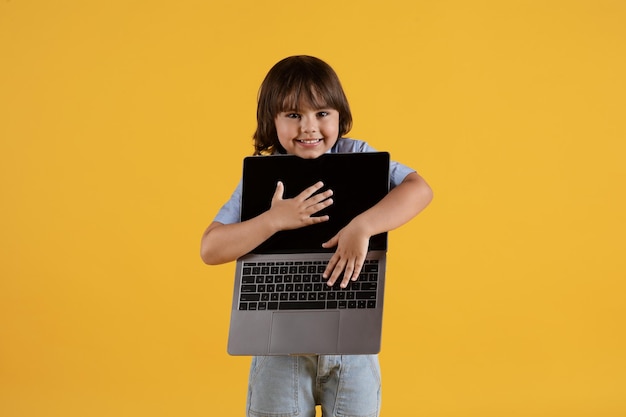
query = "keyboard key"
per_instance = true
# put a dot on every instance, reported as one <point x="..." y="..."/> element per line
<point x="249" y="297"/>
<point x="305" y="305"/>
<point x="248" y="288"/>
<point x="366" y="295"/>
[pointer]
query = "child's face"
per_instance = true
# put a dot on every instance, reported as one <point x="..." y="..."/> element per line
<point x="307" y="133"/>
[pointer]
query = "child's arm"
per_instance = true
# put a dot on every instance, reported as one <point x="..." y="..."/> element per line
<point x="402" y="203"/>
<point x="223" y="243"/>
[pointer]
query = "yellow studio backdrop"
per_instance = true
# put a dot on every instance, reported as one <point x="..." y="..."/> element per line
<point x="122" y="129"/>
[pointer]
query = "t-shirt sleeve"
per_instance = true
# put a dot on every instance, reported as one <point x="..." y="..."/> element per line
<point x="231" y="210"/>
<point x="397" y="171"/>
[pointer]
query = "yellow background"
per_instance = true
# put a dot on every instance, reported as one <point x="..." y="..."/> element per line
<point x="122" y="129"/>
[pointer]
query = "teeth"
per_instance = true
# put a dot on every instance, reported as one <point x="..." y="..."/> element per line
<point x="309" y="140"/>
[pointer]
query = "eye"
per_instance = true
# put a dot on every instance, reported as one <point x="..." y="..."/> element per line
<point x="292" y="115"/>
<point x="322" y="114"/>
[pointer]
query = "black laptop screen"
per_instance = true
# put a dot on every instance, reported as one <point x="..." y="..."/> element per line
<point x="358" y="181"/>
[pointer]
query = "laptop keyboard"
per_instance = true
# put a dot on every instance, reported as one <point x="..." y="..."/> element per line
<point x="300" y="286"/>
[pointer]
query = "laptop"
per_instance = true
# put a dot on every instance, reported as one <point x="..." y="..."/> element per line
<point x="281" y="304"/>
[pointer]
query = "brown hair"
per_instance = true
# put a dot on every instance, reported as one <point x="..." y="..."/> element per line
<point x="294" y="81"/>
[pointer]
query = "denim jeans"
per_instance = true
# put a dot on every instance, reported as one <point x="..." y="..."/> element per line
<point x="291" y="386"/>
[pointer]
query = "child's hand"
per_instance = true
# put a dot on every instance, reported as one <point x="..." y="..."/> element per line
<point x="352" y="244"/>
<point x="297" y="212"/>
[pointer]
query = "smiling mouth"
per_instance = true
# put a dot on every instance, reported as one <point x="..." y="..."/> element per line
<point x="309" y="141"/>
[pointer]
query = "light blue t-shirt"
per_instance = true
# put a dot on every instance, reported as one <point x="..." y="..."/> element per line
<point x="230" y="212"/>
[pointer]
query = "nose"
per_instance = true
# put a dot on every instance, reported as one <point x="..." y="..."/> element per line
<point x="309" y="124"/>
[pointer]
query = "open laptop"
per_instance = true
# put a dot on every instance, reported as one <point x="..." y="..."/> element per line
<point x="281" y="304"/>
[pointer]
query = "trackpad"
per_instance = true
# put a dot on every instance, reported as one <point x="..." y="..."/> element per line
<point x="304" y="332"/>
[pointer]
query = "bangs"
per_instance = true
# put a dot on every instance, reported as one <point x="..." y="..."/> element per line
<point x="300" y="96"/>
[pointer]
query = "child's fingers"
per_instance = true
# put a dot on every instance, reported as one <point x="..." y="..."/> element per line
<point x="318" y="219"/>
<point x="278" y="193"/>
<point x="331" y="243"/>
<point x="347" y="271"/>
<point x="320" y="206"/>
<point x="331" y="263"/>
<point x="320" y="197"/>
<point x="334" y="270"/>
<point x="309" y="191"/>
